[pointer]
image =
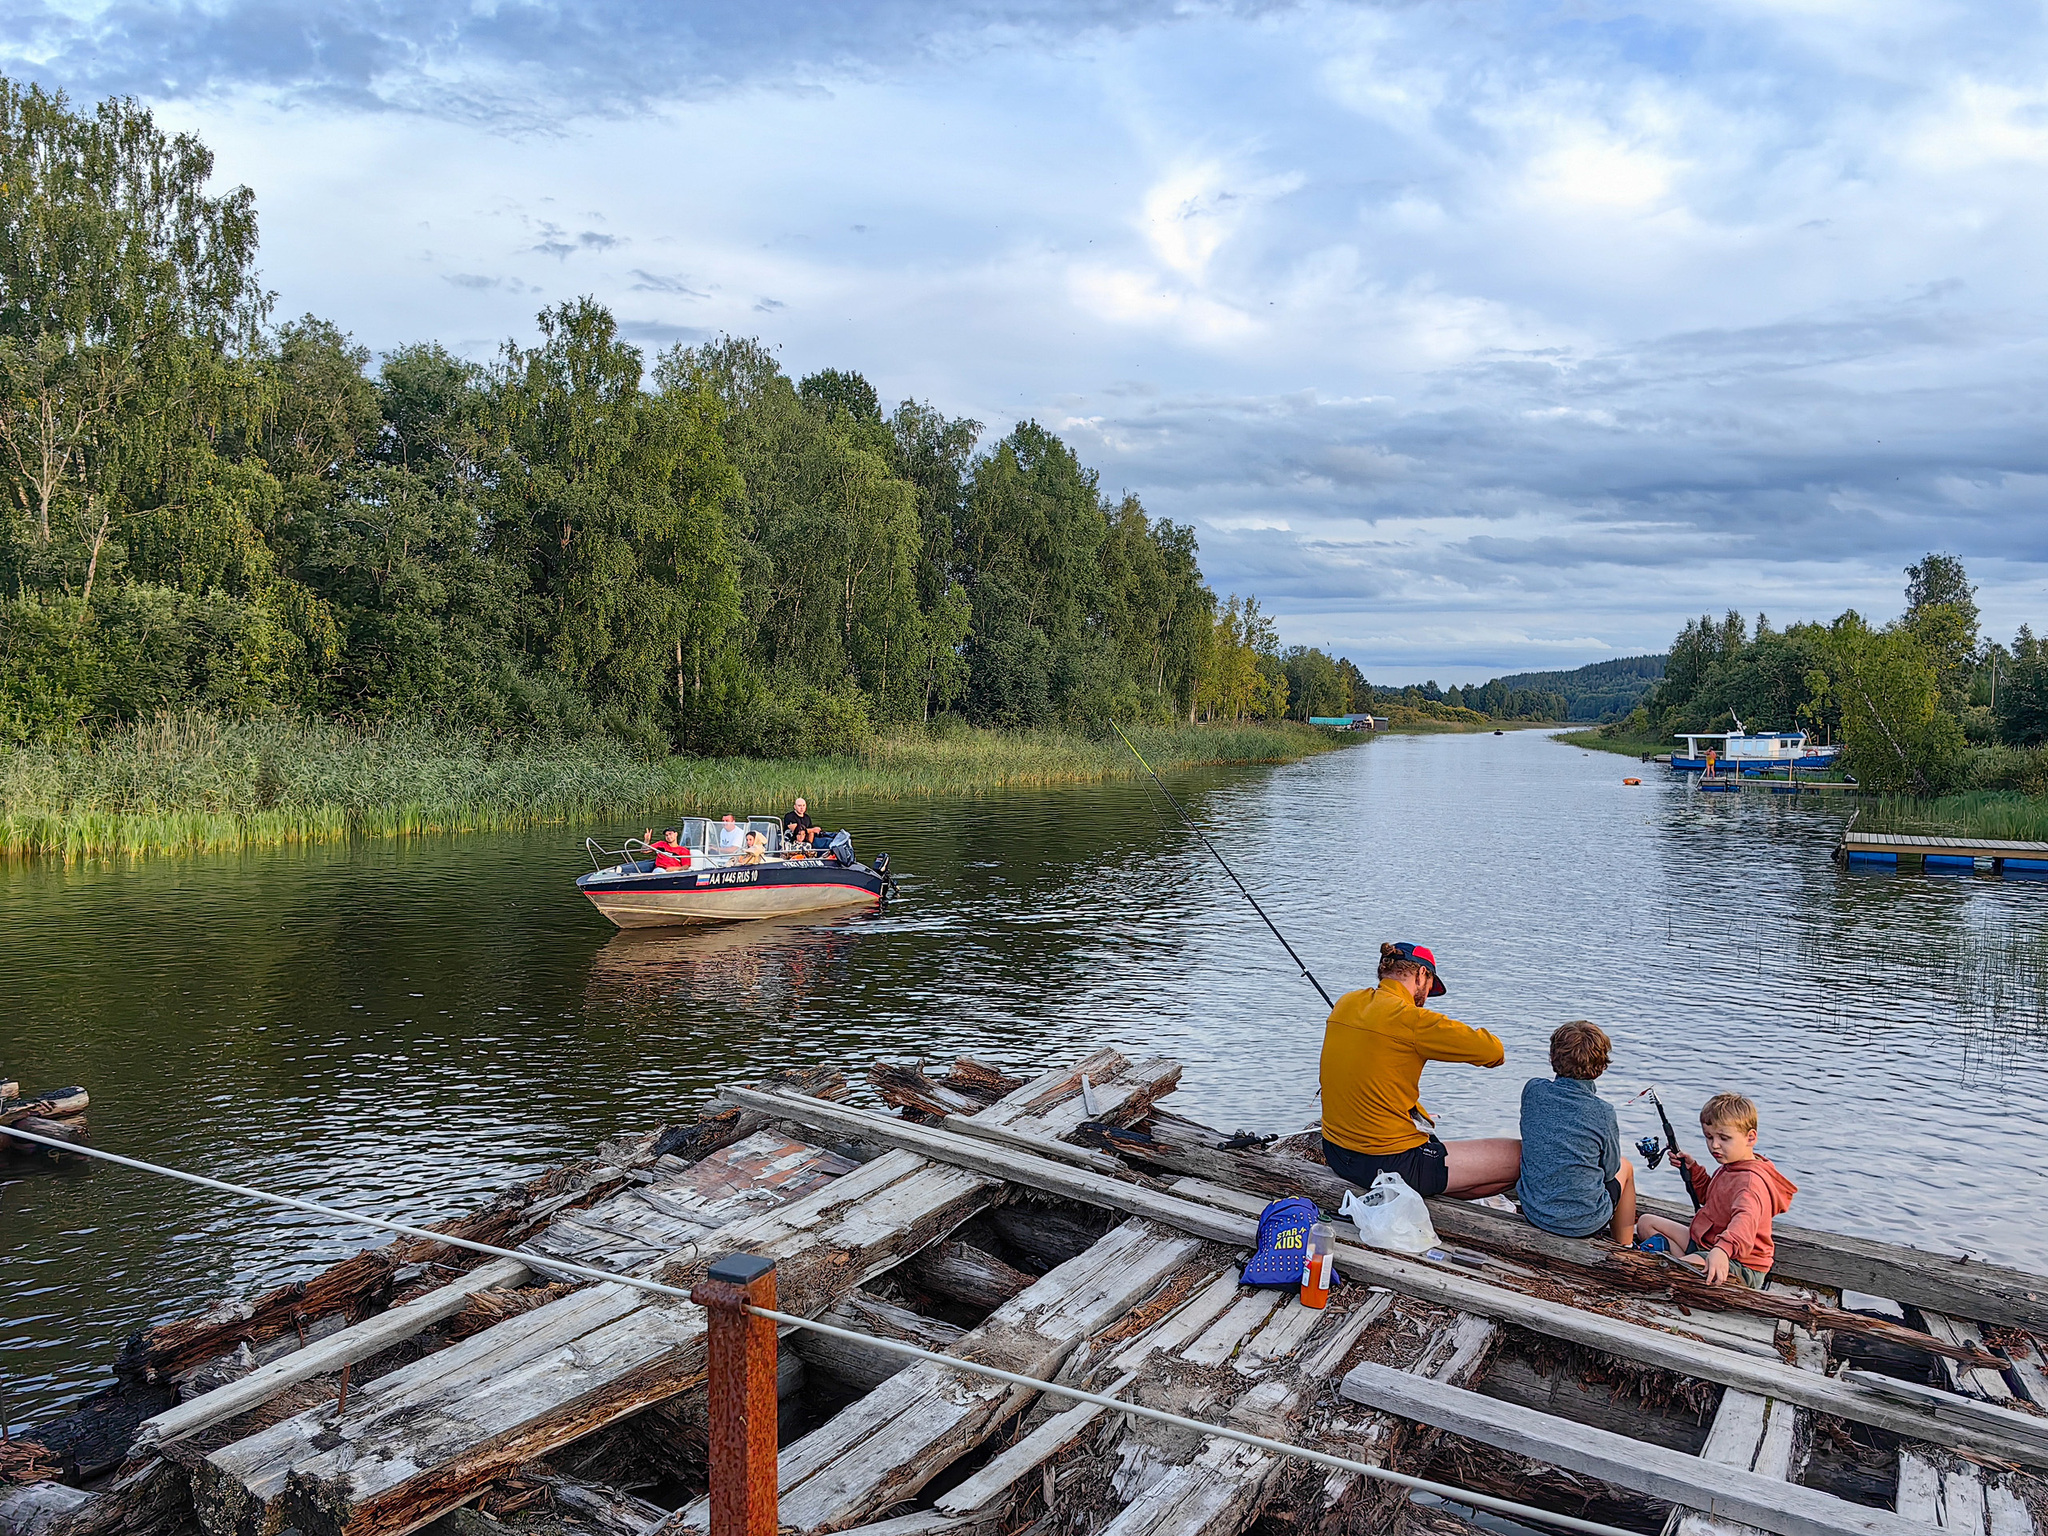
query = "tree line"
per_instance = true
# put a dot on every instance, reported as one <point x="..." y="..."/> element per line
<point x="696" y="551"/>
<point x="1922" y="703"/>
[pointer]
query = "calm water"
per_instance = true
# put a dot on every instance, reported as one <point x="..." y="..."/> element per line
<point x="410" y="1027"/>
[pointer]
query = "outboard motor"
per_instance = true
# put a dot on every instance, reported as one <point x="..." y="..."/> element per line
<point x="841" y="846"/>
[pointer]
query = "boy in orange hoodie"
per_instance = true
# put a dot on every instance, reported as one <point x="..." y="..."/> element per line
<point x="1731" y="1231"/>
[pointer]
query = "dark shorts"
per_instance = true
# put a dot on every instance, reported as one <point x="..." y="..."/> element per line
<point x="1424" y="1168"/>
<point x="1737" y="1270"/>
<point x="1614" y="1193"/>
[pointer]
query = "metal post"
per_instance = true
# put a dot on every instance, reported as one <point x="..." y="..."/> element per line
<point x="742" y="1388"/>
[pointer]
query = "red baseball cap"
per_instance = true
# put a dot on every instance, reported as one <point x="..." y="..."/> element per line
<point x="1427" y="960"/>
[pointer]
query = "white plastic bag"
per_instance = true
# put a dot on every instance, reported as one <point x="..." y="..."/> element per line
<point x="1391" y="1215"/>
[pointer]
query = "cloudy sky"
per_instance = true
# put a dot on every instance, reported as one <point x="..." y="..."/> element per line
<point x="1471" y="337"/>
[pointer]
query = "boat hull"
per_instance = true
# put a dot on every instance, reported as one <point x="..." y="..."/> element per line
<point x="731" y="895"/>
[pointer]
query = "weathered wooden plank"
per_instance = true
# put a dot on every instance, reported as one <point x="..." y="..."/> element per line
<point x="979" y="1492"/>
<point x="1971" y="1381"/>
<point x="1861" y="1396"/>
<point x="1946" y="1283"/>
<point x="421" y="1440"/>
<point x="1222" y="1490"/>
<point x="1731" y="1492"/>
<point x="884" y="1448"/>
<point x="1759" y="1433"/>
<point x="1949" y="1498"/>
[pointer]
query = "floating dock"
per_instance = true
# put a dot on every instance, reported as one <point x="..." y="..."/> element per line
<point x="1958" y="853"/>
<point x="1066" y="1228"/>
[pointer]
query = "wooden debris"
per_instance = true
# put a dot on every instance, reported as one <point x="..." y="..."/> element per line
<point x="862" y="1367"/>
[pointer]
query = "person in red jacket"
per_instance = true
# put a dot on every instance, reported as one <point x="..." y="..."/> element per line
<point x="668" y="853"/>
<point x="1731" y="1231"/>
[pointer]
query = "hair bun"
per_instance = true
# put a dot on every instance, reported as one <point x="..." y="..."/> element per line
<point x="1387" y="951"/>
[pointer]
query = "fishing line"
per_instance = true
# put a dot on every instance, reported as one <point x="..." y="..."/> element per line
<point x="1196" y="828"/>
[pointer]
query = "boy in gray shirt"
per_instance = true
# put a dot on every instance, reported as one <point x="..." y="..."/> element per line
<point x="1574" y="1179"/>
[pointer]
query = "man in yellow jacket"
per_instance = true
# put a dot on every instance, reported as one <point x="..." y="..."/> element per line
<point x="1373" y="1054"/>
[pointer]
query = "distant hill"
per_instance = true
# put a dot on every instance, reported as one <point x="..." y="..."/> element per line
<point x="1604" y="690"/>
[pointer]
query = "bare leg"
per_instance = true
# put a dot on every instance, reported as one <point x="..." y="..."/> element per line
<point x="1623" y="1228"/>
<point x="1677" y="1234"/>
<point x="1480" y="1168"/>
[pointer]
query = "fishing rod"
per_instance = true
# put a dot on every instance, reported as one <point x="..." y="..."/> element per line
<point x="1653" y="1154"/>
<point x="1195" y="826"/>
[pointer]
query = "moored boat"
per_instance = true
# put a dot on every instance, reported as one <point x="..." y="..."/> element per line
<point x="1750" y="752"/>
<point x="721" y="884"/>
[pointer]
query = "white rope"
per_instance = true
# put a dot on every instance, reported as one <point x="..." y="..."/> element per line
<point x="1455" y="1495"/>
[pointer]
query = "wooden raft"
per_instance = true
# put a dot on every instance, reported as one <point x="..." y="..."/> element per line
<point x="1089" y="1237"/>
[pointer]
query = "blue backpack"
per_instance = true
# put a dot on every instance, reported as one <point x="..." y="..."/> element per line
<point x="1283" y="1242"/>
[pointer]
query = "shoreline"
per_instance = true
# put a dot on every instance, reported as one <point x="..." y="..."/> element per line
<point x="198" y="784"/>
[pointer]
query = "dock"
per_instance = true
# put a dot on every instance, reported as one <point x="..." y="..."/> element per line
<point x="2001" y="856"/>
<point x="1066" y="1227"/>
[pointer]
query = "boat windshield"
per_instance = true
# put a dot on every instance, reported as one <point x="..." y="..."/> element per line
<point x="693" y="833"/>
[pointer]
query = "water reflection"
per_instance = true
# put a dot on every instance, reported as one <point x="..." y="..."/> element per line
<point x="414" y="1026"/>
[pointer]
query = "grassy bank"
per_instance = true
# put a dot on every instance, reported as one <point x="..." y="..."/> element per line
<point x="1594" y="739"/>
<point x="196" y="783"/>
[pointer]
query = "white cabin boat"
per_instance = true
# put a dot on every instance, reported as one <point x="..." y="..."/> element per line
<point x="1741" y="751"/>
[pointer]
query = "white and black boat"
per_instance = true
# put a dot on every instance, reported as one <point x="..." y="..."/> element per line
<point x="723" y="884"/>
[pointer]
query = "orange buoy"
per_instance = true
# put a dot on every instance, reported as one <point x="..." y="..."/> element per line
<point x="1631" y="781"/>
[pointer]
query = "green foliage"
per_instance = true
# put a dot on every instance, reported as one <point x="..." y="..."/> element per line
<point x="195" y="510"/>
<point x="1601" y="690"/>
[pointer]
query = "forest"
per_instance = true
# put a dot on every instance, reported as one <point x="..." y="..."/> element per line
<point x="1924" y="704"/>
<point x="693" y="552"/>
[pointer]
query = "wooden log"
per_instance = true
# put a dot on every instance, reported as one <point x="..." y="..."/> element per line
<point x="884" y="1448"/>
<point x="1049" y="1234"/>
<point x="27" y="1120"/>
<point x="862" y="1367"/>
<point x="50" y="1104"/>
<point x="1175" y="1144"/>
<point x="1879" y="1401"/>
<point x="909" y="1089"/>
<point x="32" y="1509"/>
<point x="1726" y="1491"/>
<point x="1957" y="1285"/>
<point x="1518" y="1379"/>
<point x="424" y="1438"/>
<point x="961" y="1272"/>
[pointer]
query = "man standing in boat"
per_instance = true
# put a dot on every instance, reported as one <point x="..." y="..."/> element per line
<point x="1374" y="1049"/>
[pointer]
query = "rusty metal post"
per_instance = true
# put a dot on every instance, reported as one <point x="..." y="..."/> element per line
<point x="742" y="1388"/>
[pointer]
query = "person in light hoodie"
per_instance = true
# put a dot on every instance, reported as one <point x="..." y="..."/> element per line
<point x="1730" y="1234"/>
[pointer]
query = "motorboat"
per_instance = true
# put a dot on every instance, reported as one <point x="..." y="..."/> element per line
<point x="722" y="883"/>
<point x="1750" y="752"/>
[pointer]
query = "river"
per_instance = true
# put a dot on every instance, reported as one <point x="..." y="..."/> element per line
<point x="411" y="1026"/>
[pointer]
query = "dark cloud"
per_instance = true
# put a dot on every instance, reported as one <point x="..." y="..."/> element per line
<point x="654" y="282"/>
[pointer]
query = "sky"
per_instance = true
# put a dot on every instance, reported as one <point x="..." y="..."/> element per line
<point x="1471" y="338"/>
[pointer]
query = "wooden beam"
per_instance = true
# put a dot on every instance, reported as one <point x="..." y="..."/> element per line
<point x="1867" y="1399"/>
<point x="1729" y="1492"/>
<point x="1758" y="1434"/>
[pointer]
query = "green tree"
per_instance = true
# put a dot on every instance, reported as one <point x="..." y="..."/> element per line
<point x="1898" y="737"/>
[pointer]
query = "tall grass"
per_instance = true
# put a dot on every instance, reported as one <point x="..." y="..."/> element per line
<point x="1976" y="813"/>
<point x="198" y="783"/>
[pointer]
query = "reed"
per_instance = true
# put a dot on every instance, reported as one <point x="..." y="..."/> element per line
<point x="201" y="783"/>
<point x="1977" y="813"/>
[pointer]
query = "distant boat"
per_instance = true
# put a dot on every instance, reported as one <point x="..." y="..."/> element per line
<point x="721" y="886"/>
<point x="1500" y="733"/>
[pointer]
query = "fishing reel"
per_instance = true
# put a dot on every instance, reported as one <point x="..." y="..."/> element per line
<point x="1652" y="1150"/>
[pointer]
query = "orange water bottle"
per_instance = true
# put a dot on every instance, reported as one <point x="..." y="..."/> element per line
<point x="1318" y="1266"/>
